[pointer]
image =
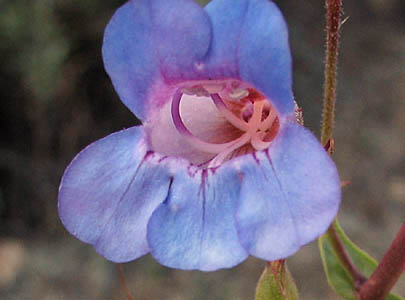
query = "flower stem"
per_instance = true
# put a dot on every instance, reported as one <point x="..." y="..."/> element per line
<point x="328" y="116"/>
<point x="388" y="271"/>
<point x="332" y="46"/>
<point x="344" y="258"/>
<point x="393" y="262"/>
<point x="124" y="283"/>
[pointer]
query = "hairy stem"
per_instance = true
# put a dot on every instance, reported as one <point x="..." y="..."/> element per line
<point x="393" y="263"/>
<point x="332" y="46"/>
<point x="124" y="283"/>
<point x="328" y="116"/>
<point x="344" y="258"/>
<point x="388" y="271"/>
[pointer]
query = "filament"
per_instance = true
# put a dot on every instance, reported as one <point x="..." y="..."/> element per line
<point x="254" y="129"/>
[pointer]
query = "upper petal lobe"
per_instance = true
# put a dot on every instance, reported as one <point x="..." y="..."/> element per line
<point x="150" y="44"/>
<point x="182" y="34"/>
<point x="130" y="56"/>
<point x="227" y="18"/>
<point x="264" y="54"/>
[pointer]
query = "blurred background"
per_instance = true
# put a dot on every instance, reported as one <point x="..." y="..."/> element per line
<point x="57" y="98"/>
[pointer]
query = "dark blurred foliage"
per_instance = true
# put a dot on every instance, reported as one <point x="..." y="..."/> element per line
<point x="57" y="98"/>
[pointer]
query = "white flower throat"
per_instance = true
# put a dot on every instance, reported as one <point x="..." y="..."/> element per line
<point x="243" y="107"/>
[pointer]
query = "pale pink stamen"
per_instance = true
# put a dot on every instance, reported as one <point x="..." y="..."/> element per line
<point x="258" y="143"/>
<point x="220" y="158"/>
<point x="256" y="119"/>
<point x="227" y="114"/>
<point x="268" y="122"/>
<point x="255" y="128"/>
<point x="191" y="139"/>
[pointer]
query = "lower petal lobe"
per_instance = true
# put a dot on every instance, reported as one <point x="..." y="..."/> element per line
<point x="109" y="191"/>
<point x="265" y="225"/>
<point x="290" y="194"/>
<point x="195" y="227"/>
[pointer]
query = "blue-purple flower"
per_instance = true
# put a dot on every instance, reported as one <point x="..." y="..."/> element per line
<point x="220" y="169"/>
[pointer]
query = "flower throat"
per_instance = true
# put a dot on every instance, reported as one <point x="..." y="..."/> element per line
<point x="243" y="107"/>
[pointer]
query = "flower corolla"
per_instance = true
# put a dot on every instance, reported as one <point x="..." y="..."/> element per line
<point x="220" y="169"/>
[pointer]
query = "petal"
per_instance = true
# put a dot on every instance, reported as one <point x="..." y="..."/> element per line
<point x="130" y="56"/>
<point x="149" y="44"/>
<point x="182" y="32"/>
<point x="109" y="191"/>
<point x="227" y="17"/>
<point x="290" y="194"/>
<point x="264" y="54"/>
<point x="195" y="227"/>
<point x="265" y="225"/>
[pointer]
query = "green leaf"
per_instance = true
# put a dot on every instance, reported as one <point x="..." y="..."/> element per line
<point x="338" y="277"/>
<point x="276" y="283"/>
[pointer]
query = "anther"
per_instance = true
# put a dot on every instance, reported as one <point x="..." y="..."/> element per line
<point x="237" y="94"/>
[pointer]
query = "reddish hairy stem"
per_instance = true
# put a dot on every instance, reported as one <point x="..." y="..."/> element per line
<point x="344" y="258"/>
<point x="332" y="46"/>
<point x="124" y="284"/>
<point x="388" y="271"/>
<point x="393" y="263"/>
